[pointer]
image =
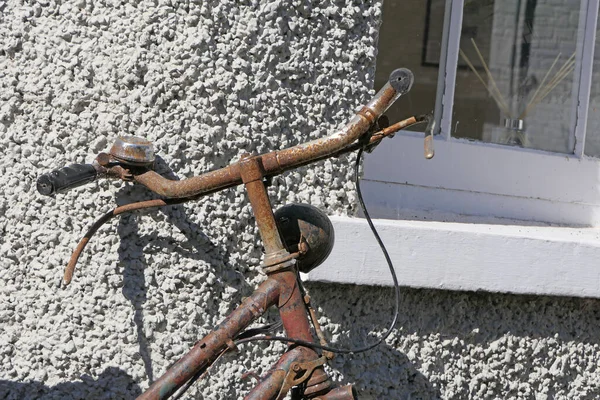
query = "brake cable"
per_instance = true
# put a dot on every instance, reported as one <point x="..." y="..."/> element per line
<point x="392" y="272"/>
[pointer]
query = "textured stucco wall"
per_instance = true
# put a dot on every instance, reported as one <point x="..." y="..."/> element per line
<point x="206" y="82"/>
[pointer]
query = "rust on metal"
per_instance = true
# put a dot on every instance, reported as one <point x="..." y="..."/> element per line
<point x="299" y="373"/>
<point x="350" y="148"/>
<point x="359" y="125"/>
<point x="251" y="169"/>
<point x="69" y="270"/>
<point x="392" y="129"/>
<point x="297" y="155"/>
<point x="341" y="393"/>
<point x="270" y="387"/>
<point x="190" y="187"/>
<point x="261" y="206"/>
<point x="207" y="349"/>
<point x="368" y="114"/>
<point x="275" y="162"/>
<point x="316" y="388"/>
<point x="252" y="173"/>
<point x="103" y="159"/>
<point x="271" y="163"/>
<point x="132" y="150"/>
<point x="291" y="307"/>
<point x="317" y="327"/>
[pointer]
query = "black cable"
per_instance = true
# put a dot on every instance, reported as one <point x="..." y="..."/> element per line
<point x="394" y="278"/>
<point x="265" y="329"/>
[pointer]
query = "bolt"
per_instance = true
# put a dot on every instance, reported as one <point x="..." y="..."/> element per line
<point x="103" y="159"/>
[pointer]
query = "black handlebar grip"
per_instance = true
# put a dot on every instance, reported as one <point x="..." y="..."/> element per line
<point x="66" y="178"/>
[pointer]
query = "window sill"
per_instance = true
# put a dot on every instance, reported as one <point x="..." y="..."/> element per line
<point x="546" y="260"/>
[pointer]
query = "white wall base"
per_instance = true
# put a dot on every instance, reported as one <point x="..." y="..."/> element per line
<point x="467" y="256"/>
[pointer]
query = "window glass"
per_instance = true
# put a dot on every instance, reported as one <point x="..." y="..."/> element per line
<point x="411" y="36"/>
<point x="514" y="81"/>
<point x="592" y="137"/>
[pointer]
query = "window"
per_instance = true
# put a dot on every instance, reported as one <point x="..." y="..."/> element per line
<point x="515" y="90"/>
<point x="592" y="139"/>
<point x="512" y="87"/>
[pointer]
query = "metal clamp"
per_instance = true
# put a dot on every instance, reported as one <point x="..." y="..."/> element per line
<point x="298" y="373"/>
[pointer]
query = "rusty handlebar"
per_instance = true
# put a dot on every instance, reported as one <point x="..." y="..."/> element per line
<point x="276" y="162"/>
<point x="124" y="163"/>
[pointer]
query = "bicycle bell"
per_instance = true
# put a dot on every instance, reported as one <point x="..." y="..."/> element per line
<point x="303" y="221"/>
<point x="133" y="151"/>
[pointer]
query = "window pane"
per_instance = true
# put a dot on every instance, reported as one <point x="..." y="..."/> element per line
<point x="411" y="36"/>
<point x="515" y="73"/>
<point x="592" y="135"/>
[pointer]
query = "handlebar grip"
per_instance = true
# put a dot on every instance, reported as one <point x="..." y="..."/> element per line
<point x="402" y="80"/>
<point x="66" y="178"/>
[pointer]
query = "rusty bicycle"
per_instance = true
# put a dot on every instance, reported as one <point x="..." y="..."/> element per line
<point x="295" y="238"/>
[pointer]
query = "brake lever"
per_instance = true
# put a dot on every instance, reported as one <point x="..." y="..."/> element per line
<point x="428" y="144"/>
<point x="390" y="131"/>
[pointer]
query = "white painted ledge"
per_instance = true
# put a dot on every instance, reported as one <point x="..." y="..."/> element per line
<point x="467" y="256"/>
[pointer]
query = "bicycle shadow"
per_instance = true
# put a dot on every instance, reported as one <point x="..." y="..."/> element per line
<point x="383" y="372"/>
<point x="438" y="328"/>
<point x="136" y="247"/>
<point x="113" y="383"/>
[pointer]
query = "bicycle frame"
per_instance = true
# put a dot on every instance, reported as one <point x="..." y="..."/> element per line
<point x="280" y="289"/>
<point x="300" y="365"/>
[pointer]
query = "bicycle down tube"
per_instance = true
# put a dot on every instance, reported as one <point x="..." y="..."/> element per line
<point x="300" y="364"/>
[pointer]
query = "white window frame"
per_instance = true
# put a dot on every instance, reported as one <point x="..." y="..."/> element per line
<point x="482" y="179"/>
<point x="478" y="178"/>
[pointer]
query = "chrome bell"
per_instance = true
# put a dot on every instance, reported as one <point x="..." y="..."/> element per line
<point x="133" y="150"/>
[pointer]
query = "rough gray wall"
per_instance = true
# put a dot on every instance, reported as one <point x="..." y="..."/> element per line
<point x="206" y="82"/>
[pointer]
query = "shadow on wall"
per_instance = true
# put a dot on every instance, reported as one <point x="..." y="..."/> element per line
<point x="462" y="344"/>
<point x="135" y="246"/>
<point x="113" y="383"/>
<point x="383" y="372"/>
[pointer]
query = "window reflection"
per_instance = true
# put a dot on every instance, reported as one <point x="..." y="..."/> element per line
<point x="515" y="73"/>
